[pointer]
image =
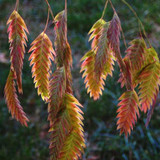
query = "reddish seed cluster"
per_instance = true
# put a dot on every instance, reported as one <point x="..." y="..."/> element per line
<point x="17" y="38"/>
<point x="40" y="60"/>
<point x="55" y="88"/>
<point x="140" y="67"/>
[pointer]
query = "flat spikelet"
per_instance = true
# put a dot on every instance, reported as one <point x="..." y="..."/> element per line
<point x="74" y="143"/>
<point x="12" y="100"/>
<point x="114" y="33"/>
<point x="97" y="63"/>
<point x="60" y="24"/>
<point x="149" y="80"/>
<point x="95" y="32"/>
<point x="40" y="60"/>
<point x="17" y="38"/>
<point x="145" y="72"/>
<point x="68" y="64"/>
<point x="56" y="114"/>
<point x="57" y="88"/>
<point x="127" y="112"/>
<point x="89" y="73"/>
<point x="152" y="56"/>
<point x="62" y="48"/>
<point x="137" y="54"/>
<point x="104" y="59"/>
<point x="58" y="132"/>
<point x="67" y="139"/>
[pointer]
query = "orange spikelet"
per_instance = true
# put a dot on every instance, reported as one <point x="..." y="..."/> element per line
<point x="97" y="63"/>
<point x="137" y="54"/>
<point x="91" y="84"/>
<point x="17" y="38"/>
<point x="149" y="80"/>
<point x="114" y="33"/>
<point x="95" y="32"/>
<point x="12" y="100"/>
<point x="57" y="88"/>
<point x="67" y="139"/>
<point x="127" y="112"/>
<point x="73" y="137"/>
<point x="62" y="48"/>
<point x="104" y="59"/>
<point x="40" y="60"/>
<point x="130" y="75"/>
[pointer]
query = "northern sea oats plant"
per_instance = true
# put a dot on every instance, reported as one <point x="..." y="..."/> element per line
<point x="139" y="74"/>
<point x="139" y="69"/>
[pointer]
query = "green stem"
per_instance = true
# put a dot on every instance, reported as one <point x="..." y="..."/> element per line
<point x="139" y="21"/>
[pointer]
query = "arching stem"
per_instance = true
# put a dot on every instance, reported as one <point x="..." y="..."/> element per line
<point x="50" y="10"/>
<point x="112" y="6"/>
<point x="139" y="21"/>
<point x="66" y="19"/>
<point x="46" y="22"/>
<point x="17" y="5"/>
<point x="104" y="10"/>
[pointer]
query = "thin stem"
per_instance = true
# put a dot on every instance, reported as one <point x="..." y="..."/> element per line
<point x="46" y="22"/>
<point x="66" y="9"/>
<point x="50" y="10"/>
<point x="66" y="19"/>
<point x="124" y="39"/>
<point x="17" y="4"/>
<point x="139" y="21"/>
<point x="104" y="10"/>
<point x="112" y="6"/>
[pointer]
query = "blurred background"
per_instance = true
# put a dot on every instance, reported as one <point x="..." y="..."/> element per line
<point x="102" y="139"/>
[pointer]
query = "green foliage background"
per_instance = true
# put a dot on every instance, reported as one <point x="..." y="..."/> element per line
<point x="102" y="139"/>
